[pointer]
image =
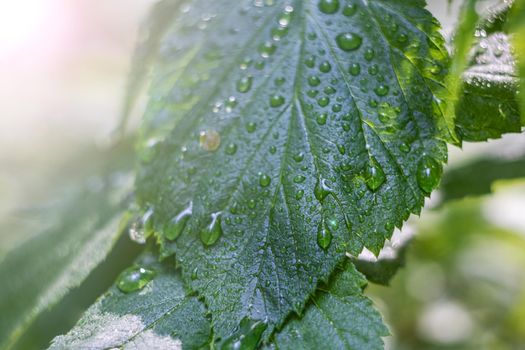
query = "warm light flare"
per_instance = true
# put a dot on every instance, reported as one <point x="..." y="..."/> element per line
<point x="22" y="22"/>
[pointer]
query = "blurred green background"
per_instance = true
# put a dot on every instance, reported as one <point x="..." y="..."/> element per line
<point x="63" y="65"/>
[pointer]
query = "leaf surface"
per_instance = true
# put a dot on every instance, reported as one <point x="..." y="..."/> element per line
<point x="293" y="133"/>
<point x="160" y="316"/>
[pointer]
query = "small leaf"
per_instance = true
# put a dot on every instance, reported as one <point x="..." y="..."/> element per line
<point x="300" y="135"/>
<point x="489" y="107"/>
<point x="338" y="317"/>
<point x="160" y="316"/>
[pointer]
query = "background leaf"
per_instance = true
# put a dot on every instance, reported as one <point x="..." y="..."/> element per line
<point x="39" y="272"/>
<point x="160" y="316"/>
<point x="488" y="107"/>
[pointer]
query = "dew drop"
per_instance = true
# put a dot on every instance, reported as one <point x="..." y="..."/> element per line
<point x="209" y="140"/>
<point x="325" y="67"/>
<point x="428" y="174"/>
<point x="369" y="54"/>
<point x="314" y="81"/>
<point x="264" y="180"/>
<point x="348" y="41"/>
<point x="141" y="227"/>
<point x="276" y="101"/>
<point x="298" y="157"/>
<point x="299" y="194"/>
<point x="178" y="223"/>
<point x="381" y="90"/>
<point x="355" y="69"/>
<point x="231" y="149"/>
<point x="350" y="10"/>
<point x="329" y="6"/>
<point x="244" y="84"/>
<point x="322" y="189"/>
<point x="321" y="118"/>
<point x="299" y="179"/>
<point x="323" y="101"/>
<point x="251" y="127"/>
<point x="374" y="175"/>
<point x="211" y="233"/>
<point x="310" y="61"/>
<point x="134" y="278"/>
<point x="267" y="49"/>
<point x="324" y="236"/>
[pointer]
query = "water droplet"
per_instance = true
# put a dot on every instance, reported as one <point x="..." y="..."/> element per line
<point x="355" y="69"/>
<point x="209" y="140"/>
<point x="211" y="233"/>
<point x="325" y="67"/>
<point x="246" y="337"/>
<point x="324" y="236"/>
<point x="322" y="189"/>
<point x="231" y="149"/>
<point x="428" y="174"/>
<point x="381" y="90"/>
<point x="374" y="175"/>
<point x="323" y="101"/>
<point x="251" y="127"/>
<point x="273" y="149"/>
<point x="134" y="278"/>
<point x="276" y="101"/>
<point x="230" y="103"/>
<point x="299" y="194"/>
<point x="314" y="80"/>
<point x="267" y="49"/>
<point x="329" y="6"/>
<point x="321" y="118"/>
<point x="141" y="228"/>
<point x="369" y="54"/>
<point x="264" y="180"/>
<point x="350" y="10"/>
<point x="251" y="204"/>
<point x="299" y="179"/>
<point x="244" y="84"/>
<point x="178" y="223"/>
<point x="310" y="61"/>
<point x="298" y="157"/>
<point x="348" y="41"/>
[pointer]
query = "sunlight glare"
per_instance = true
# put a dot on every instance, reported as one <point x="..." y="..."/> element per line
<point x="22" y="22"/>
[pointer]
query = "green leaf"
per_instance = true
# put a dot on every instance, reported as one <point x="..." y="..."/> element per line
<point x="488" y="107"/>
<point x="285" y="136"/>
<point x="337" y="318"/>
<point x="517" y="28"/>
<point x="476" y="178"/>
<point x="160" y="316"/>
<point x="39" y="272"/>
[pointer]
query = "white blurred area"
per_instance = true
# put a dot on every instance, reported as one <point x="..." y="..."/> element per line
<point x="63" y="67"/>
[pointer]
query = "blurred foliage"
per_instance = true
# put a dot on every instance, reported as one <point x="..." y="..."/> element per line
<point x="464" y="283"/>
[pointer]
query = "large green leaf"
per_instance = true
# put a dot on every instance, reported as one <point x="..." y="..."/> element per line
<point x="160" y="316"/>
<point x="279" y="125"/>
<point x="39" y="272"/>
<point x="488" y="107"/>
<point x="338" y="317"/>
